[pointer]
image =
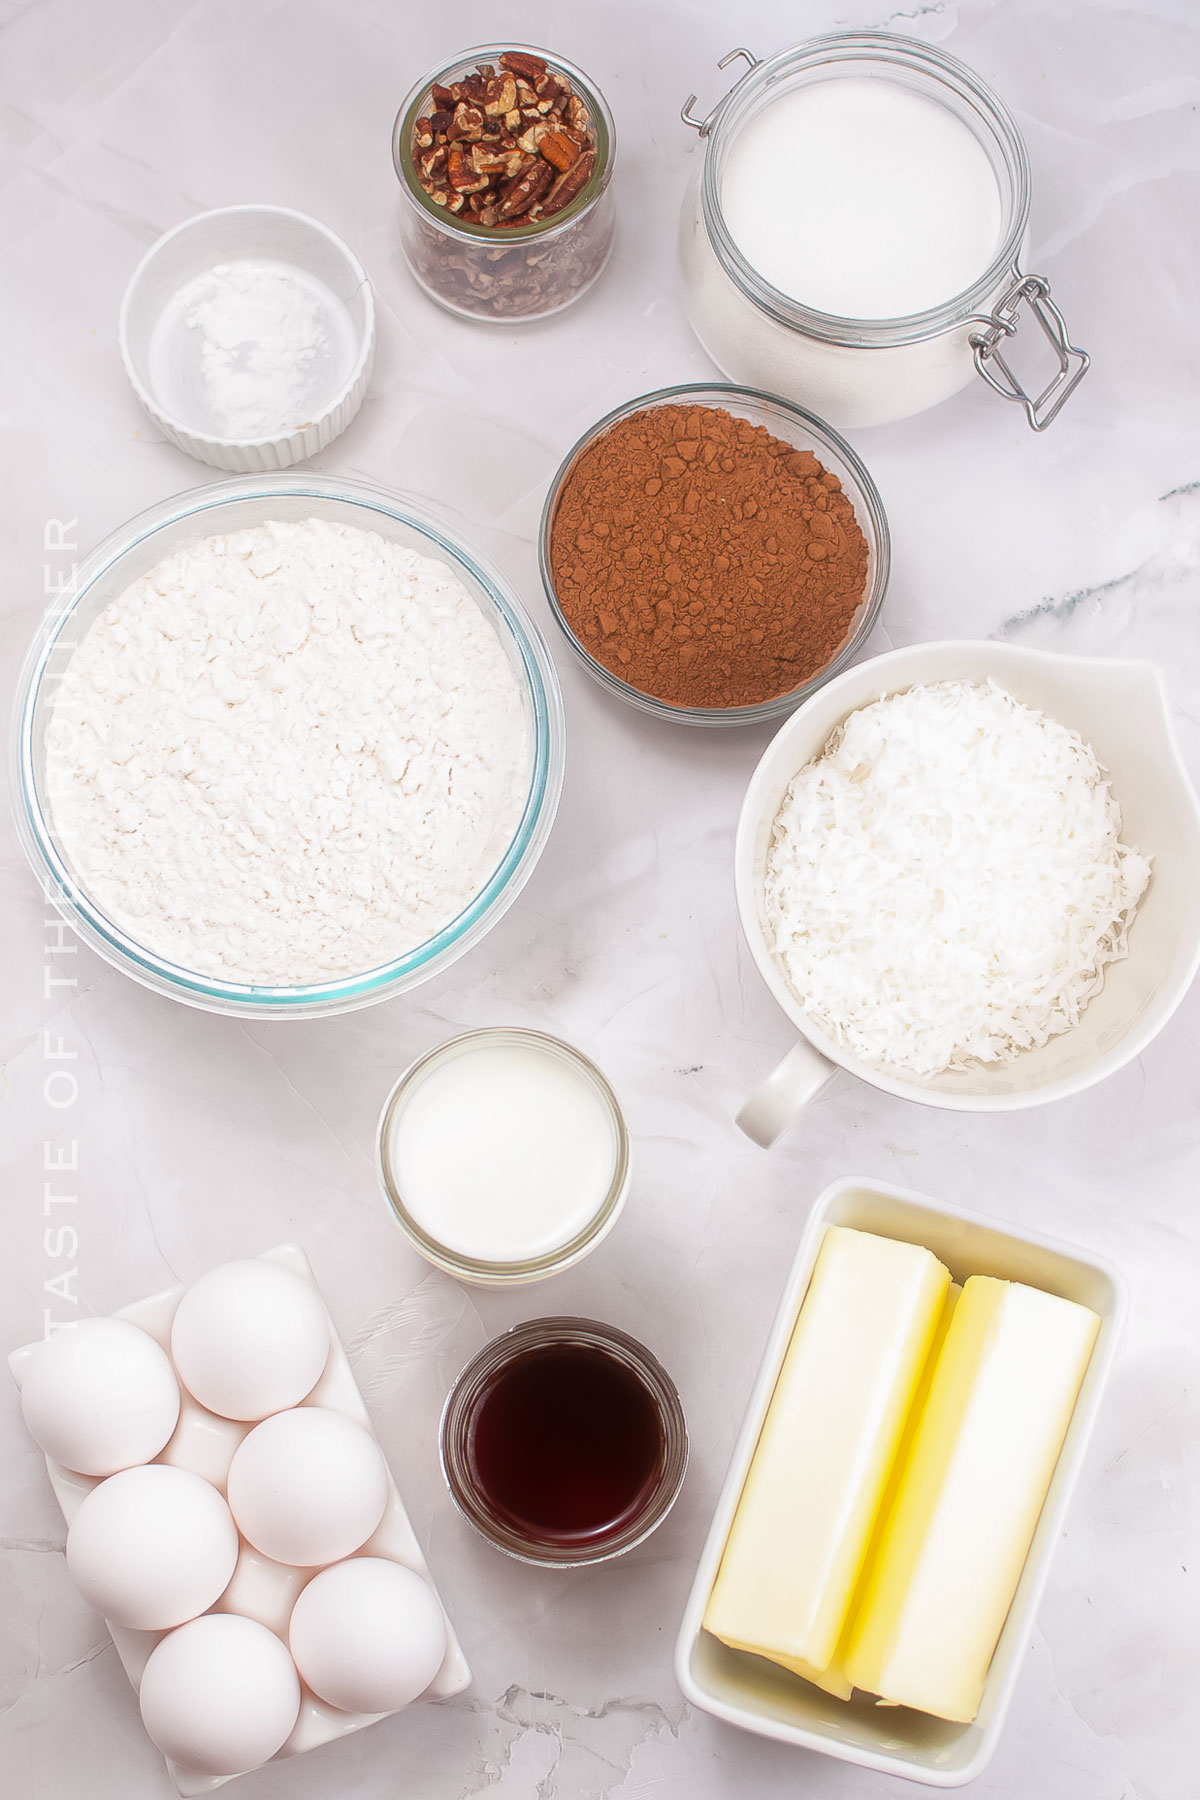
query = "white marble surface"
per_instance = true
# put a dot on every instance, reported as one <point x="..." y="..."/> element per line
<point x="200" y="1138"/>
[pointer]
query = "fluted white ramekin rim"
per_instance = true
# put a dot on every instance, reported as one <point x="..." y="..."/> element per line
<point x="254" y="456"/>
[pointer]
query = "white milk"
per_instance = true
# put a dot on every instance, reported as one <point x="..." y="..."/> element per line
<point x="503" y="1152"/>
<point x="862" y="199"/>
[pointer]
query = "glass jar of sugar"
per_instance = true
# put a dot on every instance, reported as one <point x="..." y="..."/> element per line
<point x="854" y="236"/>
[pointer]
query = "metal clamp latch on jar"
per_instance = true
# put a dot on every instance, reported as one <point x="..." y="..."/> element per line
<point x="1001" y="324"/>
<point x="705" y="125"/>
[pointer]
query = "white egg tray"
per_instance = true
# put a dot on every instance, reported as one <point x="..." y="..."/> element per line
<point x="260" y="1589"/>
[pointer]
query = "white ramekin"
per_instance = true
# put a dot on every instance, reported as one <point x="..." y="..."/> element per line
<point x="230" y="234"/>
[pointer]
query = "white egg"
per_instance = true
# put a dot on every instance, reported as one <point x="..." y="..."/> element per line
<point x="249" y="1339"/>
<point x="221" y="1695"/>
<point x="308" y="1486"/>
<point x="368" y="1635"/>
<point x="100" y="1396"/>
<point x="152" y="1547"/>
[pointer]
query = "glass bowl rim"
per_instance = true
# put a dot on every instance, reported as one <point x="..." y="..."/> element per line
<point x="875" y="530"/>
<point x="542" y="230"/>
<point x="478" y="1269"/>
<point x="458" y="934"/>
<point x="532" y="1334"/>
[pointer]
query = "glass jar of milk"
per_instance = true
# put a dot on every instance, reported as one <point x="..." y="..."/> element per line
<point x="854" y="235"/>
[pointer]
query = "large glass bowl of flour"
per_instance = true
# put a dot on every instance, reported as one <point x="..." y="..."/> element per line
<point x="503" y="741"/>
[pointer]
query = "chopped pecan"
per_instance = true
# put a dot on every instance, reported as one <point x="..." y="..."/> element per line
<point x="557" y="148"/>
<point x="569" y="185"/>
<point x="502" y="147"/>
<point x="464" y="176"/>
<point x="467" y="124"/>
<point x="530" y="67"/>
<point x="492" y="160"/>
<point x="500" y="96"/>
<point x="519" y="194"/>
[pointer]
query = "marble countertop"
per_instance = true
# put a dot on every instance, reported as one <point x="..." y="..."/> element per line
<point x="200" y="1138"/>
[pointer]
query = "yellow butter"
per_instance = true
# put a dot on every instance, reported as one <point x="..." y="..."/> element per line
<point x="966" y="1498"/>
<point x="813" y="1491"/>
<point x="841" y="1684"/>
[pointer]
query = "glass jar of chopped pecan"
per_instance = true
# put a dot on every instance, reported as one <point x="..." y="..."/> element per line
<point x="504" y="158"/>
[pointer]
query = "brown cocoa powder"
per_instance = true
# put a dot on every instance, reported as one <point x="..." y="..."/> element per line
<point x="704" y="561"/>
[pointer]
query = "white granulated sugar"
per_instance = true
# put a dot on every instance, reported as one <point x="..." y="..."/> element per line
<point x="289" y="755"/>
<point x="262" y="345"/>
<point x="945" y="883"/>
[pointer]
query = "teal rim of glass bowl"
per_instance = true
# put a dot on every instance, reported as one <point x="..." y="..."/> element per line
<point x="33" y="816"/>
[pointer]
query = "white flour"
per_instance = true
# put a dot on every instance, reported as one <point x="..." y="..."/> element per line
<point x="263" y="345"/>
<point x="289" y="755"/>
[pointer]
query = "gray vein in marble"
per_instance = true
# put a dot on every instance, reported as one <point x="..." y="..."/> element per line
<point x="550" y="1717"/>
<point x="43" y="1678"/>
<point x="1153" y="568"/>
<point x="400" y="1335"/>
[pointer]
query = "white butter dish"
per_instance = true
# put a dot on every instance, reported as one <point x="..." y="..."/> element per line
<point x="758" y="1695"/>
<point x="248" y="335"/>
<point x="260" y="1589"/>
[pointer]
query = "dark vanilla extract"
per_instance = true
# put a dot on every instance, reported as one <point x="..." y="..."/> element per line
<point x="566" y="1444"/>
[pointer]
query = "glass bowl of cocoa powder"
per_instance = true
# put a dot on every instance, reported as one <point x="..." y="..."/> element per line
<point x="713" y="553"/>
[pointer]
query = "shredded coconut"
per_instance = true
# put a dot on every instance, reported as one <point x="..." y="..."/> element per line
<point x="945" y="883"/>
<point x="289" y="755"/>
<point x="263" y="345"/>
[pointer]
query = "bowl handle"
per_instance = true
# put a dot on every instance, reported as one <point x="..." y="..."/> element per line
<point x="785" y="1093"/>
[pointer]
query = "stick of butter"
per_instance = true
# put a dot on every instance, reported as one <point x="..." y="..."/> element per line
<point x="965" y="1504"/>
<point x="815" y="1485"/>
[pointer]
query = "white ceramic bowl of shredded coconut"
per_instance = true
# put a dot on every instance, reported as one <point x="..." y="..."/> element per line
<point x="289" y="748"/>
<point x="248" y="335"/>
<point x="1121" y="710"/>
